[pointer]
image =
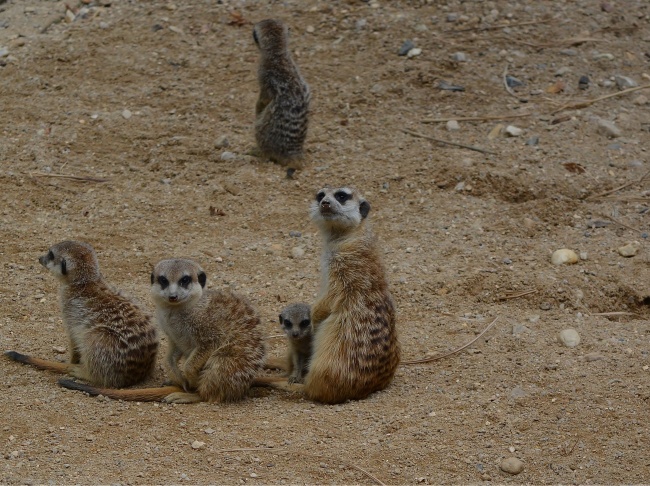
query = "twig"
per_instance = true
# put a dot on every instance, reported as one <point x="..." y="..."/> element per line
<point x="586" y="103"/>
<point x="457" y="350"/>
<point x="70" y="177"/>
<point x="469" y="147"/>
<point x="620" y="224"/>
<point x="616" y="189"/>
<point x="572" y="41"/>
<point x="518" y="294"/>
<point x="319" y="456"/>
<point x="475" y="118"/>
<point x="611" y="314"/>
<point x="497" y="27"/>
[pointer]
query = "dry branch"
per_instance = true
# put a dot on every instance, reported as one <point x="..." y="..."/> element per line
<point x="70" y="177"/>
<point x="469" y="147"/>
<point x="586" y="103"/>
<point x="475" y="118"/>
<point x="616" y="189"/>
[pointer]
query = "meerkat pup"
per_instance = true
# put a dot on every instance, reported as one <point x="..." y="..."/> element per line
<point x="216" y="344"/>
<point x="355" y="347"/>
<point x="283" y="103"/>
<point x="296" y="323"/>
<point x="112" y="342"/>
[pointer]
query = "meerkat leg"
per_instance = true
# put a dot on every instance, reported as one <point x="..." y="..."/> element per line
<point x="79" y="371"/>
<point x="296" y="373"/>
<point x="173" y="355"/>
<point x="180" y="397"/>
<point x="75" y="355"/>
<point x="320" y="311"/>
<point x="192" y="368"/>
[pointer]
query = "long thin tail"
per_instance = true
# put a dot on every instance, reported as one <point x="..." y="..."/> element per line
<point x="41" y="364"/>
<point x="277" y="382"/>
<point x="129" y="395"/>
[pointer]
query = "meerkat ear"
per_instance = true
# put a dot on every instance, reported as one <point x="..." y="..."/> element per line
<point x="202" y="278"/>
<point x="64" y="267"/>
<point x="364" y="209"/>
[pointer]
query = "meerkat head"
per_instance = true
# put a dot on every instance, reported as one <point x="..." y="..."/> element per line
<point x="340" y="208"/>
<point x="271" y="35"/>
<point x="177" y="282"/>
<point x="72" y="262"/>
<point x="296" y="321"/>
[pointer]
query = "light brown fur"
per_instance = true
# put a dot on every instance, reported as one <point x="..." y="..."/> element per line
<point x="282" y="107"/>
<point x="296" y="322"/>
<point x="216" y="344"/>
<point x="112" y="342"/>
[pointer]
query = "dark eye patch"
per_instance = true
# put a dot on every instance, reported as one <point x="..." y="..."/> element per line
<point x="185" y="281"/>
<point x="163" y="282"/>
<point x="64" y="267"/>
<point x="257" y="41"/>
<point x="50" y="255"/>
<point x="304" y="323"/>
<point x="320" y="196"/>
<point x="342" y="196"/>
<point x="287" y="323"/>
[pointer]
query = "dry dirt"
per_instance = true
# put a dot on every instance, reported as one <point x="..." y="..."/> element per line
<point x="464" y="233"/>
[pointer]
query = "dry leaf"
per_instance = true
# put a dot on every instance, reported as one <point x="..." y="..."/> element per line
<point x="574" y="167"/>
<point x="556" y="88"/>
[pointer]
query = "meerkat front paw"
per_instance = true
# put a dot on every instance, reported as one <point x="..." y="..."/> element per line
<point x="180" y="397"/>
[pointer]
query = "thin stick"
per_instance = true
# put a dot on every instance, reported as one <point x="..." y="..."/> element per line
<point x="596" y="196"/>
<point x="441" y="356"/>
<point x="475" y="118"/>
<point x="620" y="313"/>
<point x="620" y="224"/>
<point x="517" y="295"/>
<point x="63" y="176"/>
<point x="469" y="147"/>
<point x="584" y="104"/>
<point x="319" y="456"/>
<point x="497" y="27"/>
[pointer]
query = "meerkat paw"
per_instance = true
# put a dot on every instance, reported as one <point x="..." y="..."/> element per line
<point x="254" y="152"/>
<point x="78" y="371"/>
<point x="180" y="397"/>
<point x="294" y="379"/>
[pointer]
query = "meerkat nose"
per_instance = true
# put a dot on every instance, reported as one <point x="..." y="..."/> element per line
<point x="295" y="333"/>
<point x="173" y="298"/>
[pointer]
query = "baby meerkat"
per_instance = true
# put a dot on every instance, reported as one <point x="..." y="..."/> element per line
<point x="112" y="342"/>
<point x="283" y="104"/>
<point x="296" y="322"/>
<point x="216" y="334"/>
<point x="355" y="346"/>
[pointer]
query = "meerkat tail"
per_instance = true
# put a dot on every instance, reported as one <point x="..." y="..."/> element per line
<point x="41" y="364"/>
<point x="130" y="395"/>
<point x="275" y="363"/>
<point x="277" y="382"/>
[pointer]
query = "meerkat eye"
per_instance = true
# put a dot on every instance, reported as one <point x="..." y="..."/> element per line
<point x="320" y="196"/>
<point x="163" y="282"/>
<point x="342" y="196"/>
<point x="64" y="267"/>
<point x="185" y="281"/>
<point x="305" y="323"/>
<point x="50" y="255"/>
<point x="288" y="324"/>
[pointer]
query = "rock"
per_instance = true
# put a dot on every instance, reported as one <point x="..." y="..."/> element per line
<point x="584" y="255"/>
<point x="452" y="17"/>
<point x="518" y="329"/>
<point x="297" y="253"/>
<point x="513" y="131"/>
<point x="59" y="349"/>
<point x="416" y="51"/>
<point x="18" y="42"/>
<point x="623" y="82"/>
<point x="209" y="431"/>
<point x="608" y="128"/>
<point x="600" y="56"/>
<point x="512" y="465"/>
<point x="593" y="357"/>
<point x="629" y="250"/>
<point x="545" y="306"/>
<point x="513" y="82"/>
<point x="197" y="444"/>
<point x="569" y="52"/>
<point x="452" y="125"/>
<point x="583" y="82"/>
<point x="518" y="392"/>
<point x="459" y="57"/>
<point x="570" y="338"/>
<point x="295" y="234"/>
<point x="104" y="25"/>
<point x="564" y="256"/>
<point x="406" y="47"/>
<point x="126" y="114"/>
<point x="221" y="142"/>
<point x="534" y="140"/>
<point x="562" y="71"/>
<point x="228" y="156"/>
<point x="640" y="100"/>
<point x="310" y="29"/>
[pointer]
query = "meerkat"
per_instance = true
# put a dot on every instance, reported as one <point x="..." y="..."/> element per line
<point x="355" y="346"/>
<point x="282" y="107"/>
<point x="112" y="342"/>
<point x="295" y="320"/>
<point x="216" y="344"/>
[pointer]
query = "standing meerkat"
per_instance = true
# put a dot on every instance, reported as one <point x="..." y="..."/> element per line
<point x="355" y="347"/>
<point x="216" y="344"/>
<point x="282" y="107"/>
<point x="112" y="342"/>
<point x="296" y="322"/>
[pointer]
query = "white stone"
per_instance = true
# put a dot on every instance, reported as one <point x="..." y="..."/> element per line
<point x="512" y="465"/>
<point x="416" y="51"/>
<point x="227" y="156"/>
<point x="570" y="338"/>
<point x="297" y="253"/>
<point x="623" y="82"/>
<point x="197" y="444"/>
<point x="629" y="250"/>
<point x="452" y="125"/>
<point x="126" y="114"/>
<point x="513" y="131"/>
<point x="564" y="256"/>
<point x="608" y="128"/>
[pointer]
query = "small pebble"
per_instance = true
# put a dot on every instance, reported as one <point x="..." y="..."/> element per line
<point x="560" y="257"/>
<point x="545" y="306"/>
<point x="562" y="71"/>
<point x="532" y="141"/>
<point x="640" y="100"/>
<point x="459" y="57"/>
<point x="608" y="128"/>
<point x="197" y="444"/>
<point x="629" y="250"/>
<point x="452" y="17"/>
<point x="569" y="52"/>
<point x="297" y="253"/>
<point x="570" y="338"/>
<point x="126" y="114"/>
<point x="311" y="29"/>
<point x="406" y="47"/>
<point x="450" y="87"/>
<point x="513" y="131"/>
<point x="512" y="465"/>
<point x="513" y="82"/>
<point x="59" y="349"/>
<point x="606" y="56"/>
<point x="221" y="142"/>
<point x="623" y="82"/>
<point x="253" y="475"/>
<point x="593" y="357"/>
<point x="228" y="156"/>
<point x="583" y="255"/>
<point x="295" y="234"/>
<point x="416" y="51"/>
<point x="518" y="392"/>
<point x="583" y="82"/>
<point x="452" y="125"/>
<point x="209" y="431"/>
<point x="104" y="25"/>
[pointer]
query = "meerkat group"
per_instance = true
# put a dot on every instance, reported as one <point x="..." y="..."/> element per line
<point x="343" y="347"/>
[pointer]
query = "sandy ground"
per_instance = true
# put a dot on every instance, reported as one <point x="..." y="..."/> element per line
<point x="141" y="95"/>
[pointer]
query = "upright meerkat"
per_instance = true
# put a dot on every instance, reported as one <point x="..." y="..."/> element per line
<point x="282" y="107"/>
<point x="216" y="334"/>
<point x="296" y="322"/>
<point x="355" y="347"/>
<point x="112" y="342"/>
